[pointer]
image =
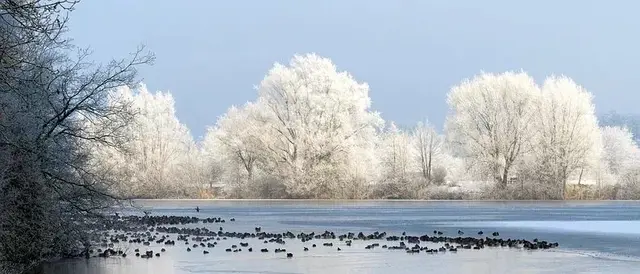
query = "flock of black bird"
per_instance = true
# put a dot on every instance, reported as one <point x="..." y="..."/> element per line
<point x="167" y="231"/>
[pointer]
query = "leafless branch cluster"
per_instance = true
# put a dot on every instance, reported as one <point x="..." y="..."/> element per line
<point x="49" y="92"/>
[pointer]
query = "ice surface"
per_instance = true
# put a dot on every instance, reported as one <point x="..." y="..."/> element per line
<point x="594" y="238"/>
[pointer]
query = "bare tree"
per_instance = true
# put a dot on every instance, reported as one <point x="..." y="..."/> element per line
<point x="428" y="145"/>
<point x="395" y="154"/>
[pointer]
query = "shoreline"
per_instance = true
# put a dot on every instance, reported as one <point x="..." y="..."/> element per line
<point x="374" y="200"/>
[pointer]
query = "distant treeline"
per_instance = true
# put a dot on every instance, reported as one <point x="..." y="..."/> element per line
<point x="311" y="133"/>
<point x="629" y="121"/>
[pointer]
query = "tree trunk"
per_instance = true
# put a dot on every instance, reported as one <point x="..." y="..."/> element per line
<point x="505" y="179"/>
<point x="429" y="166"/>
<point x="564" y="177"/>
<point x="580" y="177"/>
<point x="563" y="188"/>
<point x="502" y="177"/>
<point x="250" y="174"/>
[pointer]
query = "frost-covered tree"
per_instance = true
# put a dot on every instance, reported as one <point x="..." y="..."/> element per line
<point x="491" y="121"/>
<point x="213" y="159"/>
<point x="397" y="155"/>
<point x="312" y="117"/>
<point x="619" y="152"/>
<point x="48" y="95"/>
<point x="629" y="184"/>
<point x="362" y="168"/>
<point x="428" y="145"/>
<point x="162" y="144"/>
<point x="159" y="149"/>
<point x="192" y="176"/>
<point x="567" y="134"/>
<point x="234" y="147"/>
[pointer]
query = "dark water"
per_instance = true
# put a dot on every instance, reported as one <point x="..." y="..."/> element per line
<point x="595" y="237"/>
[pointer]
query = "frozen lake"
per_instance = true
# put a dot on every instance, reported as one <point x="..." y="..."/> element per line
<point x="594" y="237"/>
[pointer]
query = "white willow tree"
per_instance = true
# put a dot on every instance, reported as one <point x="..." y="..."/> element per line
<point x="568" y="137"/>
<point x="313" y="116"/>
<point x="619" y="152"/>
<point x="490" y="121"/>
<point x="429" y="147"/>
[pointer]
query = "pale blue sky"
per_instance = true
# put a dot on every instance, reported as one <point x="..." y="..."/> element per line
<point x="210" y="54"/>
